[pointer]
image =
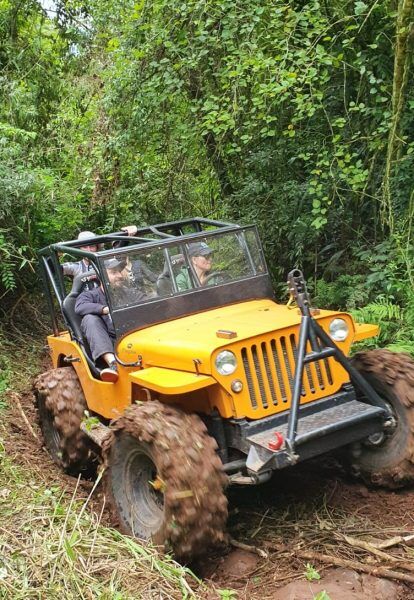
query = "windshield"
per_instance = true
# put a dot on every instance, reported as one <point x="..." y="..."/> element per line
<point x="141" y="275"/>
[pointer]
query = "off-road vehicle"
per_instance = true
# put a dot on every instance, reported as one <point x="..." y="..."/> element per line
<point x="218" y="385"/>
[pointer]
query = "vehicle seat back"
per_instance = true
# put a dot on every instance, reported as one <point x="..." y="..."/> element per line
<point x="164" y="284"/>
<point x="68" y="305"/>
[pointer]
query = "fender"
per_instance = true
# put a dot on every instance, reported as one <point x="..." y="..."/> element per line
<point x="169" y="381"/>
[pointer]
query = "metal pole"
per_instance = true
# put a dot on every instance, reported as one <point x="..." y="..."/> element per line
<point x="297" y="384"/>
<point x="356" y="377"/>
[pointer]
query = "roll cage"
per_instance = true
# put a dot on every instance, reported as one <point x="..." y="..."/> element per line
<point x="162" y="238"/>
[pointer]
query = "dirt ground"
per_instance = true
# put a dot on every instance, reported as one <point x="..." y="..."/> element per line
<point x="313" y="514"/>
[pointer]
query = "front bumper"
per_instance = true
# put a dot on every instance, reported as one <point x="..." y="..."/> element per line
<point x="323" y="425"/>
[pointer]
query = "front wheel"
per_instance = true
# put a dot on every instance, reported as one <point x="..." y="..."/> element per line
<point x="164" y="479"/>
<point x="387" y="459"/>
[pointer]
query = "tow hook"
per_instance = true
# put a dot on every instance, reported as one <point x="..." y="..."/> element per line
<point x="251" y="478"/>
<point x="277" y="444"/>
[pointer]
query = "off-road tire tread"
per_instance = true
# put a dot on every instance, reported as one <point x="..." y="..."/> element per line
<point x="395" y="370"/>
<point x="63" y="396"/>
<point x="186" y="460"/>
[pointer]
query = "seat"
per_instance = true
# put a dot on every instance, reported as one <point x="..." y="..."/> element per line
<point x="164" y="283"/>
<point x="73" y="321"/>
<point x="141" y="273"/>
<point x="68" y="306"/>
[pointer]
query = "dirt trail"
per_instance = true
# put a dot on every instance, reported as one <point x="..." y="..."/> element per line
<point x="313" y="508"/>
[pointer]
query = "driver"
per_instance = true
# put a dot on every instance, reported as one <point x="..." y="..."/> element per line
<point x="201" y="256"/>
<point x="97" y="326"/>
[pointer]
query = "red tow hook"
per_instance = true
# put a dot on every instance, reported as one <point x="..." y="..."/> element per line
<point x="278" y="443"/>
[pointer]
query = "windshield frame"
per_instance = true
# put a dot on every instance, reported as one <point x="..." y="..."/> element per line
<point x="184" y="242"/>
<point x="159" y="309"/>
<point x="134" y="316"/>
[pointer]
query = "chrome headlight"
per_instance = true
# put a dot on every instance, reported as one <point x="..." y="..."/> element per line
<point x="338" y="330"/>
<point x="226" y="362"/>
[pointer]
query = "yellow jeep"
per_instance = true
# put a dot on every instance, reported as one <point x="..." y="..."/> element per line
<point x="218" y="385"/>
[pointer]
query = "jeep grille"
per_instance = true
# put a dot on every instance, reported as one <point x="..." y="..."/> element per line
<point x="269" y="367"/>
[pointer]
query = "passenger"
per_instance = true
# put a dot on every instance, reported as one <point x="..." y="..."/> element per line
<point x="72" y="269"/>
<point x="201" y="257"/>
<point x="139" y="273"/>
<point x="97" y="326"/>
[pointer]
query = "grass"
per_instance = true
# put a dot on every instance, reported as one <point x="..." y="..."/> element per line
<point x="53" y="546"/>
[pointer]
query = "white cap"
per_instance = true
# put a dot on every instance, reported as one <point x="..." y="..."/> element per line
<point x="85" y="235"/>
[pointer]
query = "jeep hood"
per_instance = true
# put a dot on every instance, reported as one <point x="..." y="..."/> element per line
<point x="177" y="344"/>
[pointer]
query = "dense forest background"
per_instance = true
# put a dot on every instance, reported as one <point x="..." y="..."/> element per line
<point x="295" y="115"/>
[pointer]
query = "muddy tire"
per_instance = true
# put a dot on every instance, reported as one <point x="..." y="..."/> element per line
<point x="61" y="404"/>
<point x="164" y="479"/>
<point x="389" y="462"/>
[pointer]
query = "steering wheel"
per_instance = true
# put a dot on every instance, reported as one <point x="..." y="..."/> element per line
<point x="220" y="275"/>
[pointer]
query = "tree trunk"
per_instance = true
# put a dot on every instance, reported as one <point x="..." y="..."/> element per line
<point x="401" y="70"/>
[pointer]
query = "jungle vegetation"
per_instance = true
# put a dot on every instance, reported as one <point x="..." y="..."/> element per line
<point x="296" y="115"/>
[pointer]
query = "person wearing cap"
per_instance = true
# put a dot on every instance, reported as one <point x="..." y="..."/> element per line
<point x="72" y="269"/>
<point x="201" y="257"/>
<point x="96" y="325"/>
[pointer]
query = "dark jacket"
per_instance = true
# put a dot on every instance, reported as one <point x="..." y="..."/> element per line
<point x="92" y="302"/>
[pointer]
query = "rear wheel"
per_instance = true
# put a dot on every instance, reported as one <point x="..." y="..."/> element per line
<point x="387" y="459"/>
<point x="61" y="406"/>
<point x="164" y="479"/>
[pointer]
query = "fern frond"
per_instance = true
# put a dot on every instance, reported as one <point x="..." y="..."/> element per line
<point x="375" y="312"/>
<point x="407" y="346"/>
<point x="408" y="314"/>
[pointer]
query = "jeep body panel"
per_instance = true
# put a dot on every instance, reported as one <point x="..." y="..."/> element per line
<point x="265" y="352"/>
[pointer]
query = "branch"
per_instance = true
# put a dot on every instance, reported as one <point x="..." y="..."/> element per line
<point x="248" y="548"/>
<point x="356" y="566"/>
<point x="15" y="398"/>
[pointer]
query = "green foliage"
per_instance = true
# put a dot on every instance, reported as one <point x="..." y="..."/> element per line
<point x="346" y="291"/>
<point x="311" y="573"/>
<point x="6" y="372"/>
<point x="90" y="422"/>
<point x="396" y="324"/>
<point x="227" y="594"/>
<point x="268" y="112"/>
<point x="380" y="290"/>
<point x="324" y="595"/>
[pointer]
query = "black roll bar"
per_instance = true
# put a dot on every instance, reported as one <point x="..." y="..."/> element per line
<point x="322" y="347"/>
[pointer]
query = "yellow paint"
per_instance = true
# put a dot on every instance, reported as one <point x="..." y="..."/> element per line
<point x="106" y="399"/>
<point x="364" y="331"/>
<point x="170" y="351"/>
<point x="175" y="344"/>
<point x="167" y="381"/>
